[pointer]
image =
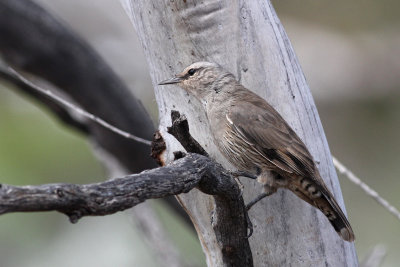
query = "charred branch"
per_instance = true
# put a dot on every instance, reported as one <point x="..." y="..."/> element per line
<point x="116" y="194"/>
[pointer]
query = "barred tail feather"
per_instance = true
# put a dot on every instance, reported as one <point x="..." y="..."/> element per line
<point x="339" y="222"/>
<point x="316" y="194"/>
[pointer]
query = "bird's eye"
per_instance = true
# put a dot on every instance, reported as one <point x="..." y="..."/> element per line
<point x="191" y="72"/>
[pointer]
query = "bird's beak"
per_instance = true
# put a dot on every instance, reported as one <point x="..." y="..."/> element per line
<point x="174" y="80"/>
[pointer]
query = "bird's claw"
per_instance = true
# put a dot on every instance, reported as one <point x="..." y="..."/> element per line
<point x="249" y="224"/>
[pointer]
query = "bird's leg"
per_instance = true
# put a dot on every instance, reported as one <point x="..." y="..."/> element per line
<point x="255" y="200"/>
<point x="260" y="197"/>
<point x="244" y="174"/>
<point x="237" y="174"/>
<point x="269" y="183"/>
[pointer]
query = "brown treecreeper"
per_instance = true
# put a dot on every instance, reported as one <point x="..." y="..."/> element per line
<point x="255" y="138"/>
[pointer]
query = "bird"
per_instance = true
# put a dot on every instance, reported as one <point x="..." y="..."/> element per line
<point x="256" y="139"/>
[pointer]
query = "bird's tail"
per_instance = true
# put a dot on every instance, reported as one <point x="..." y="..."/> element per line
<point x="337" y="218"/>
<point x="319" y="196"/>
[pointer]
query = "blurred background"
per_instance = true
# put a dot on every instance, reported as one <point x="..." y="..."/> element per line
<point x="350" y="54"/>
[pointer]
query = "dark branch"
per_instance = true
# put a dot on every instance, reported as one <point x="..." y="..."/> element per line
<point x="180" y="130"/>
<point x="119" y="194"/>
<point x="230" y="220"/>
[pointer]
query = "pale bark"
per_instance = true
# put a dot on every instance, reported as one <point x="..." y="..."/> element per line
<point x="247" y="38"/>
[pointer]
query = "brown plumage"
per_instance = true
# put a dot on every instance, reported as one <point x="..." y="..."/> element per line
<point x="256" y="139"/>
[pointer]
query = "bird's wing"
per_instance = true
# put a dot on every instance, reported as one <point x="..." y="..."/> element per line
<point x="261" y="126"/>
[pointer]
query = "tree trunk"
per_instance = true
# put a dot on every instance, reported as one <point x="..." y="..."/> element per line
<point x="247" y="38"/>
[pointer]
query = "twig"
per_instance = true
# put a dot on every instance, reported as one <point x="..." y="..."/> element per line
<point x="77" y="109"/>
<point x="60" y="111"/>
<point x="368" y="190"/>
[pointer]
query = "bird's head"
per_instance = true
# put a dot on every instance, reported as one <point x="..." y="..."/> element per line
<point x="199" y="78"/>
